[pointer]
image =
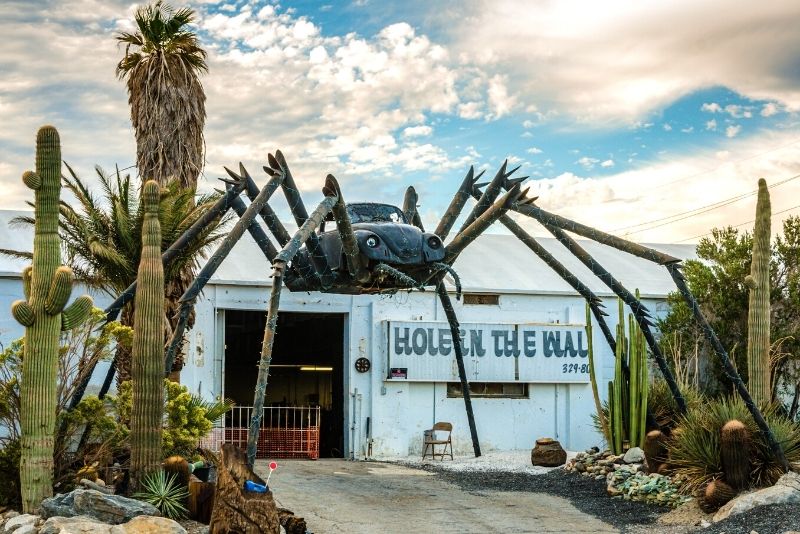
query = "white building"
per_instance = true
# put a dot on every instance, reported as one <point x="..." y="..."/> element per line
<point x="513" y="302"/>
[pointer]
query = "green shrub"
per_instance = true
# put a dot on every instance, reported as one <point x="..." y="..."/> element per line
<point x="662" y="403"/>
<point x="694" y="448"/>
<point x="187" y="417"/>
<point x="9" y="474"/>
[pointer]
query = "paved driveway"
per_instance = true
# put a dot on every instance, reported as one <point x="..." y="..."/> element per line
<point x="338" y="496"/>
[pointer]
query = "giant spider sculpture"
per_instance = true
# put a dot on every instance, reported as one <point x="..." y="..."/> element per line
<point x="377" y="248"/>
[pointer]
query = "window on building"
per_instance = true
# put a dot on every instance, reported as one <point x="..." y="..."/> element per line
<point x="499" y="390"/>
<point x="486" y="299"/>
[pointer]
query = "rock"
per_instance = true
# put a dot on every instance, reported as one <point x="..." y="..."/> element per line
<point x="113" y="509"/>
<point x="74" y="525"/>
<point x="19" y="521"/>
<point x="592" y="450"/>
<point x="102" y="488"/>
<point x="548" y="453"/>
<point x="144" y="524"/>
<point x="26" y="529"/>
<point x="10" y="514"/>
<point x="784" y="491"/>
<point x="635" y="455"/>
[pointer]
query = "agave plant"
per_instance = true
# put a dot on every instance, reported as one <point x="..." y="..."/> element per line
<point x="165" y="493"/>
<point x="694" y="447"/>
<point x="101" y="237"/>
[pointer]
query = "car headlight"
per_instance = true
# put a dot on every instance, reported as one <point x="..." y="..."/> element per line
<point x="372" y="241"/>
<point x="434" y="242"/>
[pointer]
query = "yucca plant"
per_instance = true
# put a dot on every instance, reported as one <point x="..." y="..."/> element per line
<point x="694" y="447"/>
<point x="165" y="493"/>
<point x="662" y="403"/>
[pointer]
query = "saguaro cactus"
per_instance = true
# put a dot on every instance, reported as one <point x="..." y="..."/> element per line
<point x="758" y="313"/>
<point x="147" y="366"/>
<point x="47" y="286"/>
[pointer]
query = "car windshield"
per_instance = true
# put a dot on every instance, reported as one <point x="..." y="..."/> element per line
<point x="363" y="213"/>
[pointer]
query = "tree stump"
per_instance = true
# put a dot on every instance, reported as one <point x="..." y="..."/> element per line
<point x="236" y="510"/>
<point x="201" y="500"/>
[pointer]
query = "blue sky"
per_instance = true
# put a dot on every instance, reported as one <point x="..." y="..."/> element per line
<point x="621" y="114"/>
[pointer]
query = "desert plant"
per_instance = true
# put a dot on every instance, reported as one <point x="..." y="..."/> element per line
<point x="655" y="450"/>
<point x="165" y="493"/>
<point x="178" y="467"/>
<point x="735" y="448"/>
<point x="148" y="345"/>
<point x="47" y="286"/>
<point x="716" y="495"/>
<point x="10" y="491"/>
<point x="628" y="394"/>
<point x="758" y="335"/>
<point x="694" y="447"/>
<point x="186" y="420"/>
<point x="601" y="416"/>
<point x="662" y="403"/>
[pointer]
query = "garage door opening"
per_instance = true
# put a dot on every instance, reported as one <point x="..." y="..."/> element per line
<point x="306" y="382"/>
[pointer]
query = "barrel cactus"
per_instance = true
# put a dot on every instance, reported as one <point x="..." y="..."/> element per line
<point x="716" y="495"/>
<point x="47" y="286"/>
<point x="735" y="444"/>
<point x="758" y="367"/>
<point x="148" y="345"/>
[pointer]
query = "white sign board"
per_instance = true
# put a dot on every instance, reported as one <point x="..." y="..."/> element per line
<point x="549" y="353"/>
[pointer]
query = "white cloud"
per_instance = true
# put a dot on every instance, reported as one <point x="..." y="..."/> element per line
<point x="738" y="112"/>
<point x="711" y="107"/>
<point x="688" y="129"/>
<point x="677" y="185"/>
<point x="607" y="163"/>
<point x="667" y="127"/>
<point x="649" y="53"/>
<point x="534" y="150"/>
<point x="500" y="102"/>
<point x="417" y="131"/>
<point x="587" y="163"/>
<point x="732" y="130"/>
<point x="527" y="123"/>
<point x="711" y="125"/>
<point x="769" y="109"/>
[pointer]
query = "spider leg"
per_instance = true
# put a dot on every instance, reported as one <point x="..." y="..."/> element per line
<point x="410" y="208"/>
<point x="350" y="248"/>
<point x="300" y="214"/>
<point x="457" y="204"/>
<point x="213" y="263"/>
<point x="481" y="223"/>
<point x="447" y="305"/>
<point x="595" y="303"/>
<point x="640" y="312"/>
<point x="301" y="264"/>
<point x="491" y="193"/>
<point x="286" y="255"/>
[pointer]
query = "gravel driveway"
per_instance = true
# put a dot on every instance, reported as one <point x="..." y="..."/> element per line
<point x="337" y="496"/>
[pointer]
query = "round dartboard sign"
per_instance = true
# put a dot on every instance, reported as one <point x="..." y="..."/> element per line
<point x="362" y="365"/>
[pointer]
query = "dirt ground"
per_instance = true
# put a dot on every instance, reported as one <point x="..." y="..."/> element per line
<point x="337" y="496"/>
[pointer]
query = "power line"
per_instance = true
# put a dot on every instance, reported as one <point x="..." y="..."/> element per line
<point x="698" y="211"/>
<point x="758" y="155"/>
<point x="740" y="224"/>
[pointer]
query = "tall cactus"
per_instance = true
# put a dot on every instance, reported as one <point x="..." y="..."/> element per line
<point x="758" y="368"/>
<point x="601" y="416"/>
<point x="627" y="404"/>
<point x="47" y="286"/>
<point x="147" y="369"/>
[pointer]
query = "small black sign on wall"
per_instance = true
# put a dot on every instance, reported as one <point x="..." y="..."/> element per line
<point x="398" y="372"/>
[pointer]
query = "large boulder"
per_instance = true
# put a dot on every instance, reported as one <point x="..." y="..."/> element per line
<point x="786" y="490"/>
<point x="634" y="455"/>
<point x="74" y="525"/>
<point x="145" y="524"/>
<point x="548" y="453"/>
<point x="113" y="509"/>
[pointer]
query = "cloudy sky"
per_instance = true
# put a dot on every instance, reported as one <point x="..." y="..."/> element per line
<point x="650" y="119"/>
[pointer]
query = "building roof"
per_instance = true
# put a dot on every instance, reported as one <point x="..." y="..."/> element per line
<point x="493" y="263"/>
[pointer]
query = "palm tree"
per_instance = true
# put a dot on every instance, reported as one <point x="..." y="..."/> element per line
<point x="161" y="66"/>
<point x="101" y="236"/>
